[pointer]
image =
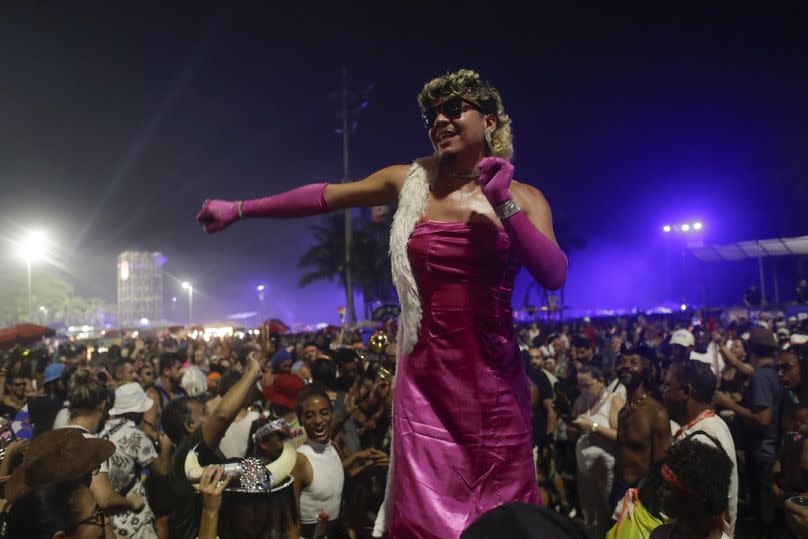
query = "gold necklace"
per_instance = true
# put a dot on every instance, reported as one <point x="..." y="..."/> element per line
<point x="631" y="406"/>
<point x="465" y="175"/>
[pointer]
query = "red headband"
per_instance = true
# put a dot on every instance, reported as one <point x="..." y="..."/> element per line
<point x="670" y="477"/>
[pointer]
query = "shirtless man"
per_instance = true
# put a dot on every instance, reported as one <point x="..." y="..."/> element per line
<point x="643" y="427"/>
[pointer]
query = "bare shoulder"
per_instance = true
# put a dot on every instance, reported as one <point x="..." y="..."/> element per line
<point x="526" y="190"/>
<point x="396" y="174"/>
<point x="618" y="401"/>
<point x="659" y="413"/>
<point x="528" y="197"/>
<point x="302" y="470"/>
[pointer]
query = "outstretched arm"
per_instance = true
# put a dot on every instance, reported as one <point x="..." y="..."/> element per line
<point x="378" y="189"/>
<point x="530" y="228"/>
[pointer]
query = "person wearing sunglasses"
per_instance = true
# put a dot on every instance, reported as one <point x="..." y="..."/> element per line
<point x="462" y="230"/>
<point x="62" y="510"/>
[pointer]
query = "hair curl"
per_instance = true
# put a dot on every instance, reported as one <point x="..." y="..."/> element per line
<point x="466" y="83"/>
<point x="705" y="470"/>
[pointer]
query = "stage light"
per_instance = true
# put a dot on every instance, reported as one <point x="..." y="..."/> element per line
<point x="685" y="228"/>
<point x="683" y="307"/>
<point x="697" y="225"/>
<point x="666" y="228"/>
<point x="260" y="288"/>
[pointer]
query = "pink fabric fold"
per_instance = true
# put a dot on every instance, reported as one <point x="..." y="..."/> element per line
<point x="301" y="202"/>
<point x="545" y="260"/>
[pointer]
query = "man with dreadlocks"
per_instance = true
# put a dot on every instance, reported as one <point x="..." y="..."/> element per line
<point x="462" y="230"/>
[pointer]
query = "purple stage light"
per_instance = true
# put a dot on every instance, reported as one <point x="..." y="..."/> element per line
<point x="697" y="225"/>
<point x="685" y="228"/>
<point x="666" y="228"/>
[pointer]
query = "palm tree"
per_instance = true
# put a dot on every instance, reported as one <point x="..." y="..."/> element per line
<point x="370" y="259"/>
<point x="326" y="258"/>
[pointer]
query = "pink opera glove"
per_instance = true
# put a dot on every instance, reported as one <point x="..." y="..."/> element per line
<point x="495" y="179"/>
<point x="304" y="201"/>
<point x="545" y="260"/>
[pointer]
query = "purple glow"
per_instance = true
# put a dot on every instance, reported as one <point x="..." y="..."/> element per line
<point x="697" y="225"/>
<point x="666" y="228"/>
<point x="685" y="227"/>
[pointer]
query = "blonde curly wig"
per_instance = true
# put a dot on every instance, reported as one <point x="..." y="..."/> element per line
<point x="466" y="83"/>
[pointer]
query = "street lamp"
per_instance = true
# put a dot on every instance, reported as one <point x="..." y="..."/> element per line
<point x="190" y="290"/>
<point x="31" y="248"/>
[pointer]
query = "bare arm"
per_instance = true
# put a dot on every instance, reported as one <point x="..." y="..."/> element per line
<point x="761" y="416"/>
<point x="109" y="499"/>
<point x="303" y="475"/>
<point x="745" y="368"/>
<point x="661" y="435"/>
<point x="216" y="424"/>
<point x="378" y="189"/>
<point x="552" y="417"/>
<point x="535" y="207"/>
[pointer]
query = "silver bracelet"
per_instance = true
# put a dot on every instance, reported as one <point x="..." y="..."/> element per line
<point x="240" y="209"/>
<point x="507" y="210"/>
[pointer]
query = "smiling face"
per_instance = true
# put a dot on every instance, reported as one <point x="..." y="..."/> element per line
<point x="630" y="369"/>
<point x="459" y="126"/>
<point x="316" y="418"/>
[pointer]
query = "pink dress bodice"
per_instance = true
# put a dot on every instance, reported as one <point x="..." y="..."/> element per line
<point x="462" y="415"/>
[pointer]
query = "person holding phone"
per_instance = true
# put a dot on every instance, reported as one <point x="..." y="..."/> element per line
<point x="462" y="439"/>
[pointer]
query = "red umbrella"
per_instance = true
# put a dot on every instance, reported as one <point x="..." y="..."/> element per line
<point x="24" y="334"/>
<point x="276" y="326"/>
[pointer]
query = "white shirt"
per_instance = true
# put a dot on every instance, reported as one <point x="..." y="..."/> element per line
<point x="237" y="437"/>
<point x="325" y="491"/>
<point x="712" y="357"/>
<point x="716" y="427"/>
<point x="62" y="418"/>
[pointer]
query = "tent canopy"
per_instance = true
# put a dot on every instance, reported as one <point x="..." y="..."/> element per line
<point x="745" y="250"/>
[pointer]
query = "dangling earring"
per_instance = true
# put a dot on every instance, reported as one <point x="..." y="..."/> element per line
<point x="488" y="141"/>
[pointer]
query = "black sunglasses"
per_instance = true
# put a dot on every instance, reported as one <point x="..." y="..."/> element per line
<point x="451" y="109"/>
<point x="98" y="518"/>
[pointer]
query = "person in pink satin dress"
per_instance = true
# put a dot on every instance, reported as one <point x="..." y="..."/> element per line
<point x="461" y="415"/>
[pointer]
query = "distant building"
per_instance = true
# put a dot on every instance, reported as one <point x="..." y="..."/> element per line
<point x="140" y="287"/>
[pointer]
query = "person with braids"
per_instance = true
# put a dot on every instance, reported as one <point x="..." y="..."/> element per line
<point x="462" y="230"/>
<point x="694" y="492"/>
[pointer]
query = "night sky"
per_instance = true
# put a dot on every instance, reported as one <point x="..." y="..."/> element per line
<point x="117" y="119"/>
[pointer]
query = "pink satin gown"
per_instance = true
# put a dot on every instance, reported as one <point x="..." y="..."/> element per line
<point x="462" y="414"/>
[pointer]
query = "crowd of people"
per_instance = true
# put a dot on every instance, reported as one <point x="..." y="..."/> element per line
<point x="643" y="426"/>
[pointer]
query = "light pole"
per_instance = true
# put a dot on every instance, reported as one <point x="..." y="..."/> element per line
<point x="31" y="248"/>
<point x="690" y="234"/>
<point x="190" y="290"/>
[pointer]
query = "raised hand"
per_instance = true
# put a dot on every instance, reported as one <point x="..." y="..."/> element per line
<point x="217" y="215"/>
<point x="495" y="179"/>
<point x="211" y="486"/>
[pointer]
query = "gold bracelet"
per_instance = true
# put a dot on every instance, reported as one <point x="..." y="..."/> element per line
<point x="594" y="427"/>
<point x="240" y="209"/>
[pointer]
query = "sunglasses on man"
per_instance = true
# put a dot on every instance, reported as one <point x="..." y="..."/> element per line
<point x="452" y="109"/>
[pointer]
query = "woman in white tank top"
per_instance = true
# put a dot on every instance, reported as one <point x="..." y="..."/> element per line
<point x="596" y="422"/>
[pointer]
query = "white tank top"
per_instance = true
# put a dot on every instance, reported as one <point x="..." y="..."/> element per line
<point x="599" y="415"/>
<point x="325" y="491"/>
